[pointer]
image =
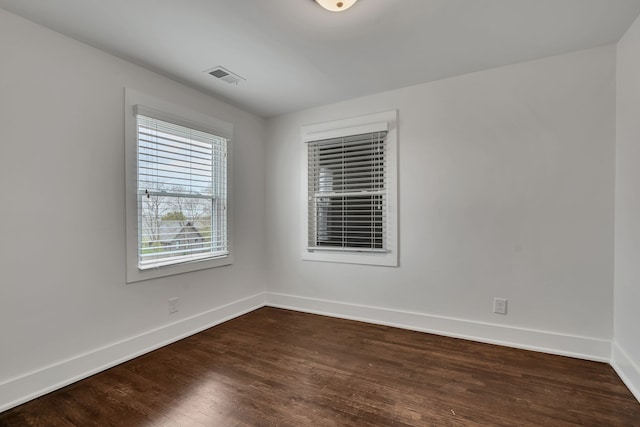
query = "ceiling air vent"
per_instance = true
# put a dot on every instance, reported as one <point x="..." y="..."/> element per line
<point x="225" y="75"/>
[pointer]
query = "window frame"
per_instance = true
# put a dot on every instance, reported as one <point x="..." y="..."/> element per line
<point x="347" y="127"/>
<point x="167" y="111"/>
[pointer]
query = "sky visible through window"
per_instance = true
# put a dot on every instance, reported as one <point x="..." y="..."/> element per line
<point x="182" y="193"/>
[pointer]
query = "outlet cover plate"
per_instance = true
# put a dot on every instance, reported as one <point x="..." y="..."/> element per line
<point x="173" y="305"/>
<point x="500" y="305"/>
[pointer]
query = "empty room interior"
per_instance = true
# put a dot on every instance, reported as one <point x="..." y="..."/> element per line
<point x="315" y="212"/>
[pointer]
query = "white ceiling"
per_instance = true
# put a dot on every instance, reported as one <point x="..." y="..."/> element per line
<point x="295" y="55"/>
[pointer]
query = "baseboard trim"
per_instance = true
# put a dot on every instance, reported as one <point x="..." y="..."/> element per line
<point x="543" y="341"/>
<point x="626" y="369"/>
<point x="42" y="381"/>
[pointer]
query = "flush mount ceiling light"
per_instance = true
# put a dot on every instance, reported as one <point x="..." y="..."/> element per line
<point x="335" y="5"/>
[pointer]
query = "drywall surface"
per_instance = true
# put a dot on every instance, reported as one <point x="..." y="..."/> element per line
<point x="627" y="220"/>
<point x="62" y="219"/>
<point x="506" y="189"/>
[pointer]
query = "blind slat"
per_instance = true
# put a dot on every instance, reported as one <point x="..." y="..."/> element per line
<point x="347" y="201"/>
<point x="182" y="194"/>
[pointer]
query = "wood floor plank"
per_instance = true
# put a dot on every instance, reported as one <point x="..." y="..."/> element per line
<point x="276" y="367"/>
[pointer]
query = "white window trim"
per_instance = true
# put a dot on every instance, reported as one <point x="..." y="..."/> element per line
<point x="180" y="115"/>
<point x="344" y="127"/>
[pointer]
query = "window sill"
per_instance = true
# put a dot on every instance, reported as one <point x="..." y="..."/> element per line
<point x="383" y="259"/>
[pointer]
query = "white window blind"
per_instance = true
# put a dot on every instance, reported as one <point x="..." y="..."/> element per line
<point x="181" y="191"/>
<point x="347" y="193"/>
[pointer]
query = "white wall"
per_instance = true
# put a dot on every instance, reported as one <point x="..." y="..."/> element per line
<point x="506" y="189"/>
<point x="626" y="347"/>
<point x="63" y="297"/>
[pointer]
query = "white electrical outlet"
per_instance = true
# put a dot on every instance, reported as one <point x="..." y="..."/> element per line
<point x="500" y="305"/>
<point x="173" y="305"/>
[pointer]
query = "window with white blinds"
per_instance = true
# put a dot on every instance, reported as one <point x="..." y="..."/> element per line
<point x="347" y="193"/>
<point x="351" y="198"/>
<point x="178" y="193"/>
<point x="182" y="193"/>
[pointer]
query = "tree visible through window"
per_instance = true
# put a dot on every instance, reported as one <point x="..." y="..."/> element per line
<point x="182" y="193"/>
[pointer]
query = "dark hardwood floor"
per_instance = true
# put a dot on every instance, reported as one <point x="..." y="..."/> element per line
<point x="277" y="367"/>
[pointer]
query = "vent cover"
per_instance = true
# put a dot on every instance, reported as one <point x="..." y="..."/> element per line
<point x="225" y="75"/>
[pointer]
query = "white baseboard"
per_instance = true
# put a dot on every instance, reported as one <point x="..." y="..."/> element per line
<point x="49" y="378"/>
<point x="627" y="369"/>
<point x="529" y="339"/>
<point x="39" y="382"/>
